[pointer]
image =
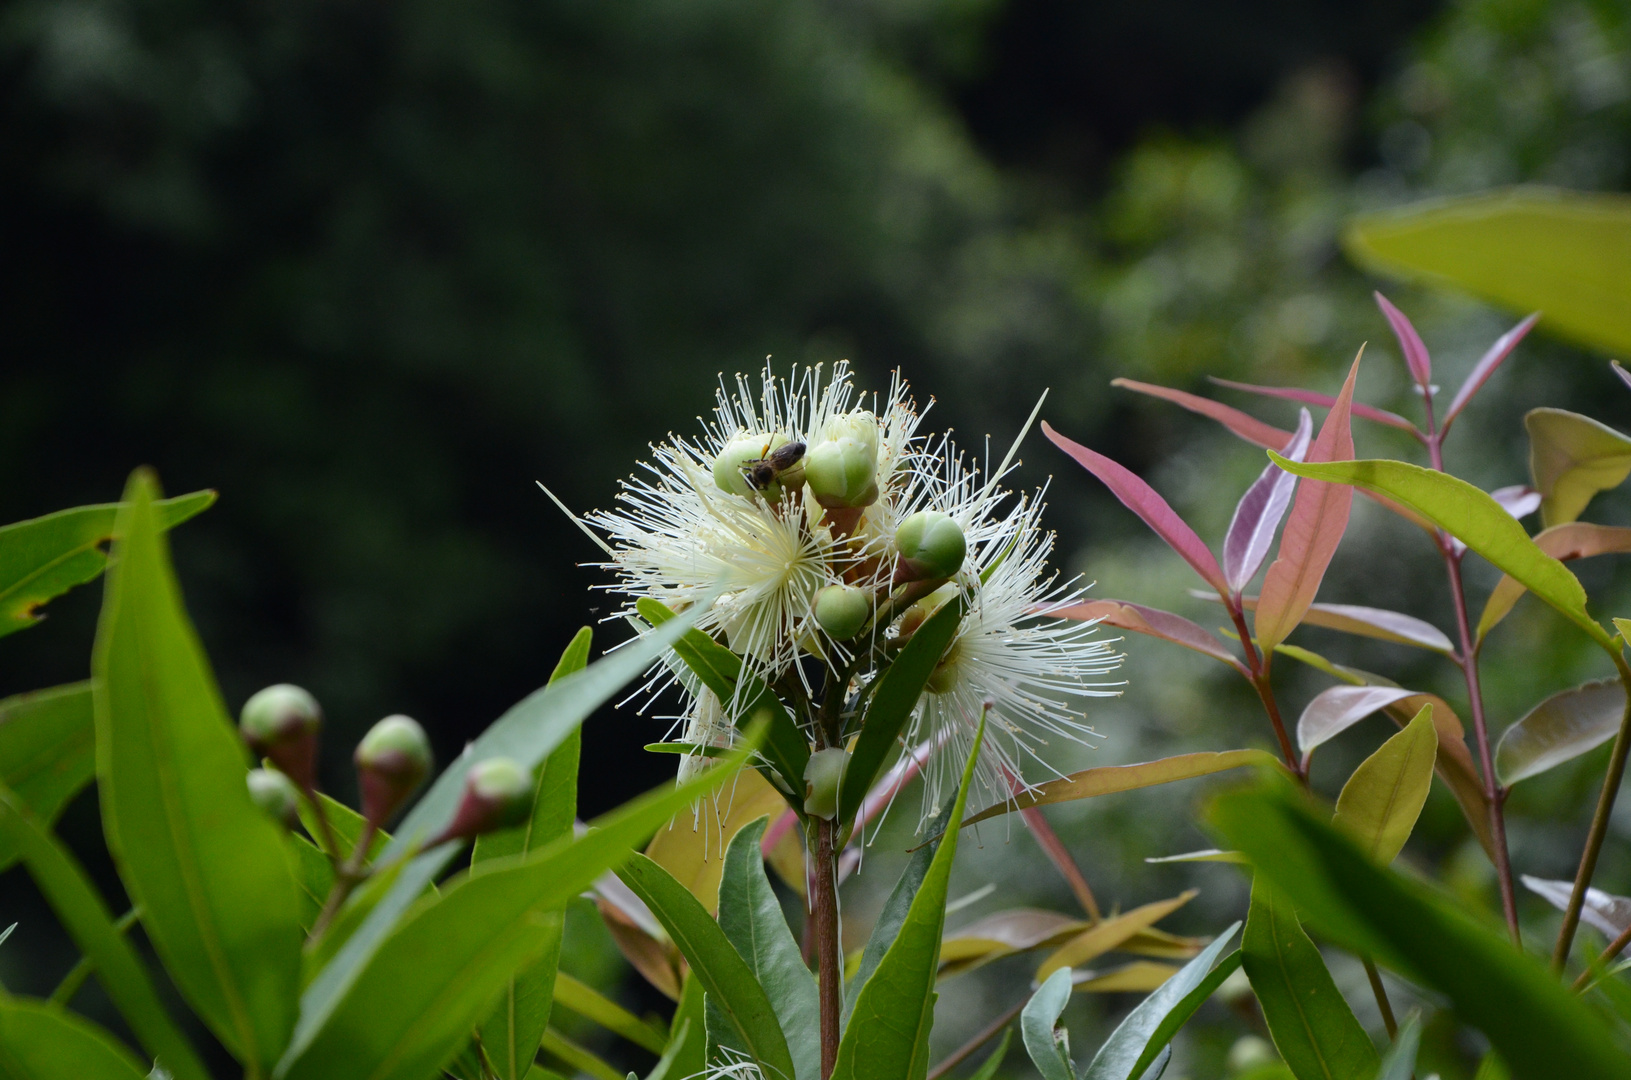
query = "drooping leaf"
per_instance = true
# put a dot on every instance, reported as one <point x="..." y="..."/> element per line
<point x="47" y="1042"/>
<point x="1038" y="1023"/>
<point x="1324" y="401"/>
<point x="1105" y="935"/>
<point x="47" y="750"/>
<point x="1410" y="343"/>
<point x="436" y="975"/>
<point x="1571" y="540"/>
<point x="1399" y="1063"/>
<point x="1260" y="511"/>
<point x="752" y="919"/>
<point x="1334" y="711"/>
<point x="1607" y="913"/>
<point x="1481" y="371"/>
<point x="1312" y="1026"/>
<point x="1142" y="500"/>
<point x="888" y="1033"/>
<point x="899" y="689"/>
<point x="90" y="925"/>
<point x="1137" y="1043"/>
<point x="1242" y="424"/>
<point x="1109" y="779"/>
<point x="1572" y="458"/>
<point x="692" y="846"/>
<point x="1001" y="934"/>
<point x="1138" y="977"/>
<point x="1152" y="621"/>
<point x="1539" y="1027"/>
<point x="1560" y="729"/>
<point x="1318" y="519"/>
<point x="1524" y="248"/>
<point x="1383" y="798"/>
<point x="44" y="557"/>
<point x="1474" y="518"/>
<point x="1378" y="623"/>
<point x="592" y="1005"/>
<point x="205" y="864"/>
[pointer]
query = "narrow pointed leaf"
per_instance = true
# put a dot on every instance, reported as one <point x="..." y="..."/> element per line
<point x="592" y="1005"/>
<point x="1607" y="913"/>
<point x="988" y="1068"/>
<point x="1335" y="710"/>
<point x="1109" y="779"/>
<point x="1324" y="401"/>
<point x="1138" y="977"/>
<point x="1142" y="500"/>
<point x="579" y="1059"/>
<point x="1260" y="511"/>
<point x="1560" y="729"/>
<point x="1383" y="798"/>
<point x="1571" y="540"/>
<point x="668" y="1064"/>
<point x="1001" y="934"/>
<point x="1036" y="1025"/>
<point x="202" y="861"/>
<point x="1204" y="855"/>
<point x="1313" y="1027"/>
<point x="47" y="750"/>
<point x="1487" y="364"/>
<point x="1572" y="458"/>
<point x="1399" y="1063"/>
<point x="1107" y="934"/>
<point x="1318" y="519"/>
<point x="1151" y="621"/>
<point x="1410" y="343"/>
<point x="47" y="1042"/>
<point x="1246" y="426"/>
<point x="1378" y="623"/>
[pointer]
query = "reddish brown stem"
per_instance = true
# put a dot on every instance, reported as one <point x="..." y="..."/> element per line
<point x="1257" y="664"/>
<point x="824" y="901"/>
<point x="991" y="1031"/>
<point x="1614" y="949"/>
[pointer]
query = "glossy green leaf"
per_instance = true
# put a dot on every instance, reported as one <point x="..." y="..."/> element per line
<point x="47" y="1042"/>
<point x="1109" y="779"/>
<point x="1571" y="540"/>
<point x="1471" y="516"/>
<point x="590" y="1004"/>
<point x="1567" y="254"/>
<point x="752" y="919"/>
<point x="724" y="974"/>
<point x="687" y="1038"/>
<point x="1383" y="798"/>
<point x="511" y="1035"/>
<point x="47" y="750"/>
<point x="1399" y="1063"/>
<point x="720" y="671"/>
<point x="1312" y="1025"/>
<point x="91" y="927"/>
<point x="1133" y="1048"/>
<point x="887" y="1036"/>
<point x="437" y="974"/>
<point x="899" y="689"/>
<point x="44" y="557"/>
<point x="1572" y="458"/>
<point x="204" y="863"/>
<point x="528" y="733"/>
<point x="1539" y="1027"/>
<point x="1049" y="1048"/>
<point x="1560" y="729"/>
<point x="988" y="1068"/>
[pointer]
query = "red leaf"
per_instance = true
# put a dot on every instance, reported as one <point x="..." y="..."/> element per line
<point x="1415" y="353"/>
<point x="1142" y="500"/>
<point x="1324" y="401"/>
<point x="1487" y="364"/>
<point x="1147" y="620"/>
<point x="1318" y="519"/>
<point x="1247" y="427"/>
<point x="1260" y="510"/>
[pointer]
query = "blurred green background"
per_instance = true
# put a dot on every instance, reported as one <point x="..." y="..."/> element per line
<point x="371" y="270"/>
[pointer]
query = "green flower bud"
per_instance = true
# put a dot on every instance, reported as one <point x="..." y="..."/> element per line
<point x="738" y="455"/>
<point x="391" y="760"/>
<point x="842" y="469"/>
<point x="931" y="545"/>
<point x="842" y="610"/>
<point x="497" y="795"/>
<point x="822" y="776"/>
<point x="280" y="723"/>
<point x="275" y="793"/>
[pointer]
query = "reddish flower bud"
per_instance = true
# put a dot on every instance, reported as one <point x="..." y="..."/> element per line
<point x="280" y="724"/>
<point x="392" y="760"/>
<point x="497" y="795"/>
<point x="275" y="793"/>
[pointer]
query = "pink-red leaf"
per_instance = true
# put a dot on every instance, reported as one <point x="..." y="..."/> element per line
<point x="1152" y="621"/>
<point x="1378" y="623"/>
<point x="1247" y="427"/>
<point x="1519" y="500"/>
<point x="1258" y="515"/>
<point x="1142" y="500"/>
<point x="1487" y="364"/>
<point x="1318" y="519"/>
<point x="1415" y="352"/>
<point x="1324" y="401"/>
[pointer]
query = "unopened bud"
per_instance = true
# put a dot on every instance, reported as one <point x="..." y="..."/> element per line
<point x="822" y="776"/>
<point x="734" y="467"/>
<point x="919" y="613"/>
<point x="842" y="468"/>
<point x="280" y="724"/>
<point x="931" y="546"/>
<point x="497" y="794"/>
<point x="842" y="610"/>
<point x="392" y="761"/>
<point x="275" y="793"/>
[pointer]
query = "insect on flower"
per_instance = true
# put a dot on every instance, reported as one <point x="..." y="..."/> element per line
<point x="766" y="469"/>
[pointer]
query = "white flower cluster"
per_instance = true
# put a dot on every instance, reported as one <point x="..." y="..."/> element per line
<point x="798" y="514"/>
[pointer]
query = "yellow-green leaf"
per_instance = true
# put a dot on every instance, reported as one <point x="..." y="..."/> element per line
<point x="1383" y="798"/>
<point x="1109" y="779"/>
<point x="1572" y="458"/>
<point x="1106" y="935"/>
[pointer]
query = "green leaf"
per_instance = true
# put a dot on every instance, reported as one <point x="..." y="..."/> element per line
<point x="1564" y="253"/>
<point x="47" y="1042"/>
<point x="1539" y="1027"/>
<point x="666" y="1064"/>
<point x="44" y="557"/>
<point x="579" y="1058"/>
<point x="206" y="866"/>
<point x="1572" y="458"/>
<point x="528" y="733"/>
<point x="899" y="688"/>
<point x="1560" y="729"/>
<point x="687" y="1040"/>
<point x="413" y="1004"/>
<point x="988" y="1068"/>
<point x="347" y="824"/>
<point x="1472" y="517"/>
<point x="887" y="1036"/>
<point x="1107" y="934"/>
<point x="592" y="1005"/>
<point x="1049" y="1050"/>
<point x="720" y="671"/>
<point x="1571" y="540"/>
<point x="512" y="1034"/>
<point x="724" y="974"/>
<point x="91" y="927"/>
<point x="753" y="922"/>
<point x="47" y="750"/>
<point x="1383" y="798"/>
<point x="1312" y="1026"/>
<point x="1133" y="1048"/>
<point x="1399" y="1063"/>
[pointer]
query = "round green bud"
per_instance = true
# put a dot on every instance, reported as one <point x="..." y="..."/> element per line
<point x="280" y="723"/>
<point x="842" y="468"/>
<point x="392" y="760"/>
<point x="738" y="454"/>
<point x="497" y="794"/>
<point x="822" y="777"/>
<point x="931" y="545"/>
<point x="275" y="793"/>
<point x="842" y="610"/>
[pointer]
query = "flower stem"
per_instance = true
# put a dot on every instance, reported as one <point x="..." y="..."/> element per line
<point x="824" y="898"/>
<point x="1382" y="1002"/>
